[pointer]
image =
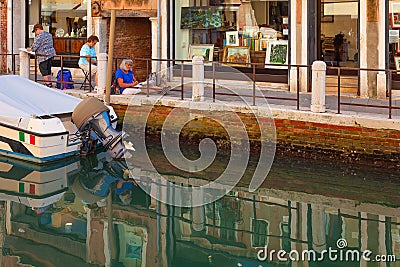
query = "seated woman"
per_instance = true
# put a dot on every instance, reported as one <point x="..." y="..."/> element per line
<point x="125" y="78"/>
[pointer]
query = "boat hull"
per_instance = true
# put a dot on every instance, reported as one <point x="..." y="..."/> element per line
<point x="40" y="141"/>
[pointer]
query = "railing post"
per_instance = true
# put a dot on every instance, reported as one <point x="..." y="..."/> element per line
<point x="198" y="78"/>
<point x="101" y="72"/>
<point x="213" y="75"/>
<point x="24" y="64"/>
<point x="318" y="86"/>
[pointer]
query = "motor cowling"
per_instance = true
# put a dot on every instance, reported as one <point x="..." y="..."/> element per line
<point x="92" y="118"/>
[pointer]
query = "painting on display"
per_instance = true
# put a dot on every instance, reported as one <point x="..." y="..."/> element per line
<point x="397" y="62"/>
<point x="237" y="55"/>
<point x="232" y="38"/>
<point x="204" y="50"/>
<point x="202" y="17"/>
<point x="277" y="53"/>
<point x="395" y="15"/>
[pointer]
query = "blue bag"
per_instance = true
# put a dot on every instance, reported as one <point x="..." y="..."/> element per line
<point x="67" y="77"/>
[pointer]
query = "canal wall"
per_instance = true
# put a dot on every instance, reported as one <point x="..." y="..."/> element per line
<point x="354" y="135"/>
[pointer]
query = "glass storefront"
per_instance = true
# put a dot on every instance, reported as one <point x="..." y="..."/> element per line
<point x="65" y="19"/>
<point x="394" y="28"/>
<point x="212" y="25"/>
<point x="339" y="33"/>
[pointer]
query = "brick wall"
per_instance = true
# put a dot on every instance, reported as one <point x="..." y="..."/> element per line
<point x="3" y="36"/>
<point x="133" y="40"/>
<point x="355" y="142"/>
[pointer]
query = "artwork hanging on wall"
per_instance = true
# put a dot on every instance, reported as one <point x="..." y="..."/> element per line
<point x="203" y="17"/>
<point x="395" y="16"/>
<point x="277" y="53"/>
<point x="204" y="50"/>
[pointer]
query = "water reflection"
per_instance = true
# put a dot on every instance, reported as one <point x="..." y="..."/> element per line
<point x="87" y="212"/>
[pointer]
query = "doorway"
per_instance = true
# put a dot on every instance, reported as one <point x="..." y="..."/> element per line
<point x="339" y="33"/>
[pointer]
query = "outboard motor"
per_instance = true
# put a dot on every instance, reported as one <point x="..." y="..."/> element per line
<point x="92" y="118"/>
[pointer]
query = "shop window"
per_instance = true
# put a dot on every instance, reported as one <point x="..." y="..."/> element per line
<point x="64" y="19"/>
<point x="339" y="33"/>
<point x="211" y="21"/>
<point x="394" y="28"/>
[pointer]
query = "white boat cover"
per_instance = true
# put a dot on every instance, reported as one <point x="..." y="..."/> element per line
<point x="23" y="98"/>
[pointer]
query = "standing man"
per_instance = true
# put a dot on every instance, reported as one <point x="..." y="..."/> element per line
<point x="88" y="56"/>
<point x="43" y="45"/>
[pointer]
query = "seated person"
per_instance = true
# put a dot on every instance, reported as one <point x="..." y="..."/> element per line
<point x="126" y="79"/>
<point x="88" y="54"/>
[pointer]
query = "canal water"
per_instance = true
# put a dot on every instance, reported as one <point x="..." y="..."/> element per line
<point x="308" y="212"/>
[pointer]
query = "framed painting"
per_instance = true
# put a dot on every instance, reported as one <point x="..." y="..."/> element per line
<point x="397" y="63"/>
<point x="204" y="50"/>
<point x="236" y="55"/>
<point x="277" y="53"/>
<point x="232" y="38"/>
<point x="395" y="20"/>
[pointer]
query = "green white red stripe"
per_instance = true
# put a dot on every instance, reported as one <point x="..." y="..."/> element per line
<point x="28" y="138"/>
<point x="26" y="188"/>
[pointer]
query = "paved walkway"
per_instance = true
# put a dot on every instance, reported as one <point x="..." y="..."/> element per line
<point x="244" y="91"/>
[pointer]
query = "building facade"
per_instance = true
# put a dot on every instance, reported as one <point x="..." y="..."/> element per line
<point x="356" y="34"/>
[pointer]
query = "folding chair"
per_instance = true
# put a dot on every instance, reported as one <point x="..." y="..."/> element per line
<point x="86" y="80"/>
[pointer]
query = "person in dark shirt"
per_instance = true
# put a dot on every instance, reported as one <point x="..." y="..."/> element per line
<point x="43" y="45"/>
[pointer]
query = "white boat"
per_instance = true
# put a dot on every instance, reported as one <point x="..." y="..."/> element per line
<point x="33" y="185"/>
<point x="35" y="121"/>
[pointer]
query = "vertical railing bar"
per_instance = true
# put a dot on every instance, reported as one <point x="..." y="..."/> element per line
<point x="62" y="71"/>
<point x="339" y="89"/>
<point x="90" y="75"/>
<point x="35" y="67"/>
<point x="148" y="82"/>
<point x="182" y="80"/>
<point x="213" y="74"/>
<point x="254" y="84"/>
<point x="298" y="87"/>
<point x="390" y="93"/>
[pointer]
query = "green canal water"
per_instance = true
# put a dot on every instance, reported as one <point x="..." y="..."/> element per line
<point x="307" y="213"/>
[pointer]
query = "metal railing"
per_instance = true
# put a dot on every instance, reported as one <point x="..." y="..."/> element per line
<point x="180" y="69"/>
<point x="389" y="87"/>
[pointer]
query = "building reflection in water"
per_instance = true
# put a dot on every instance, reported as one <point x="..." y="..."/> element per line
<point x="60" y="216"/>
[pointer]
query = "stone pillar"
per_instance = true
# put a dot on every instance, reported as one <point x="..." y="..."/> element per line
<point x="293" y="45"/>
<point x="24" y="64"/>
<point x="318" y="227"/>
<point x="100" y="29"/>
<point x="362" y="50"/>
<point x="154" y="42"/>
<point x="364" y="236"/>
<point x="381" y="76"/>
<point x="198" y="78"/>
<point x="303" y="19"/>
<point x="318" y="86"/>
<point x="102" y="72"/>
<point x="89" y="21"/>
<point x="370" y="36"/>
<point x="198" y="213"/>
<point x="382" y="238"/>
<point x="14" y="30"/>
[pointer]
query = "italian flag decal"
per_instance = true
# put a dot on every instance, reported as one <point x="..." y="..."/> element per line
<point x="28" y="138"/>
<point x="26" y="188"/>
